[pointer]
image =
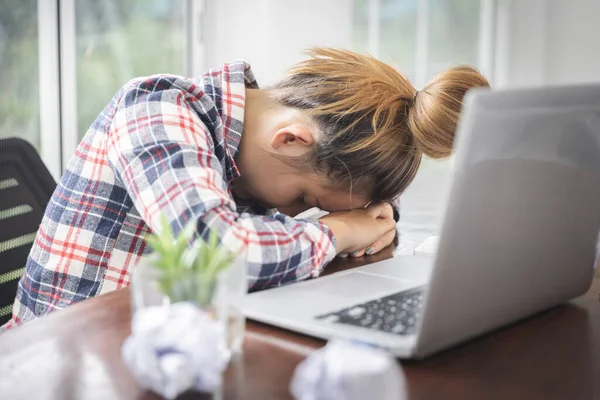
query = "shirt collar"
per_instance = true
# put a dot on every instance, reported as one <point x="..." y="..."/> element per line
<point x="228" y="89"/>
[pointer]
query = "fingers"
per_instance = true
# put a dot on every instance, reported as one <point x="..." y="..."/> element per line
<point x="374" y="248"/>
<point x="381" y="243"/>
<point x="381" y="210"/>
<point x="358" y="253"/>
<point x="388" y="211"/>
<point x="356" y="229"/>
<point x="376" y="210"/>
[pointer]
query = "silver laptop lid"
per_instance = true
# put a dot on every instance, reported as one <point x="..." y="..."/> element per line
<point x="523" y="213"/>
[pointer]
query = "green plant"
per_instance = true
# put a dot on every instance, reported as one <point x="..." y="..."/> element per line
<point x="187" y="268"/>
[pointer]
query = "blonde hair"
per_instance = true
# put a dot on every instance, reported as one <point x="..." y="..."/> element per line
<point x="374" y="125"/>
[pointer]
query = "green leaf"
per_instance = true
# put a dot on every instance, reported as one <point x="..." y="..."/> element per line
<point x="189" y="266"/>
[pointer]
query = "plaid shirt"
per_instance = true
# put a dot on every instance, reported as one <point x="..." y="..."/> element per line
<point x="164" y="145"/>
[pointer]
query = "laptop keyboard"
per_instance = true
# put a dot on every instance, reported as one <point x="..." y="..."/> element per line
<point x="397" y="313"/>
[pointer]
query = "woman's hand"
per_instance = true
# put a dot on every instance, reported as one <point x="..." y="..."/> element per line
<point x="375" y="247"/>
<point x="362" y="230"/>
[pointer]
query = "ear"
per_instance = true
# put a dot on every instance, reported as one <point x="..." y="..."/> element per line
<point x="293" y="140"/>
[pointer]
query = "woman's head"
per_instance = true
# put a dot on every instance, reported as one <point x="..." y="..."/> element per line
<point x="357" y="127"/>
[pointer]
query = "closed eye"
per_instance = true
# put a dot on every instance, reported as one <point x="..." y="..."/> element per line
<point x="319" y="206"/>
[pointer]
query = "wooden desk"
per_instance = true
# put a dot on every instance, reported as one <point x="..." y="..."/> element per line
<point x="75" y="354"/>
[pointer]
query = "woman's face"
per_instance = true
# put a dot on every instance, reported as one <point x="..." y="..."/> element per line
<point x="271" y="136"/>
<point x="293" y="193"/>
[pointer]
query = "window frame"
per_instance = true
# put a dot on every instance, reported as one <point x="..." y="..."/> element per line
<point x="49" y="85"/>
<point x="59" y="134"/>
<point x="488" y="26"/>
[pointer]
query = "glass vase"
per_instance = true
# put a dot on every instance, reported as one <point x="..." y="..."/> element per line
<point x="222" y="298"/>
<point x="234" y="283"/>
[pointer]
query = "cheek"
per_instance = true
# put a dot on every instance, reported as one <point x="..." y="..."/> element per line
<point x="266" y="185"/>
<point x="278" y="190"/>
<point x="285" y="196"/>
<point x="285" y="189"/>
<point x="278" y="196"/>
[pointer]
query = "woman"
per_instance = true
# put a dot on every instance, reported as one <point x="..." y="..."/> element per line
<point x="343" y="132"/>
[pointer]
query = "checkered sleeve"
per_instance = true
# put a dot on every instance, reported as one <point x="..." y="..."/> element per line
<point x="163" y="153"/>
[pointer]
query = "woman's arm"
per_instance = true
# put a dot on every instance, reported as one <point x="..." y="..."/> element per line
<point x="162" y="152"/>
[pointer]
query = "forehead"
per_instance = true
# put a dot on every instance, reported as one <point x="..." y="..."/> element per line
<point x="342" y="202"/>
<point x="339" y="199"/>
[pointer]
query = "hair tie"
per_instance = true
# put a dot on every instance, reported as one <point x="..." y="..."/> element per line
<point x="415" y="96"/>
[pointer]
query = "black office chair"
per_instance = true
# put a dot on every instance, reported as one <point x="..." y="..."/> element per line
<point x="25" y="188"/>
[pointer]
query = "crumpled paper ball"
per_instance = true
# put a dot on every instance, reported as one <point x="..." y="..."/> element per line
<point x="344" y="370"/>
<point x="175" y="348"/>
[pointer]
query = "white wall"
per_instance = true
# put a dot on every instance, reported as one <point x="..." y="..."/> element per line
<point x="543" y="42"/>
<point x="573" y="41"/>
<point x="271" y="34"/>
<point x="538" y="42"/>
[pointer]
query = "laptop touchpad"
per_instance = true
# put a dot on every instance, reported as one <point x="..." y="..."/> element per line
<point x="357" y="285"/>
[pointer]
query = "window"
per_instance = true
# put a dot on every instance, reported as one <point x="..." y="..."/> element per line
<point x="62" y="61"/>
<point x="19" y="102"/>
<point x="398" y="34"/>
<point x="453" y="28"/>
<point x="422" y="38"/>
<point x="119" y="40"/>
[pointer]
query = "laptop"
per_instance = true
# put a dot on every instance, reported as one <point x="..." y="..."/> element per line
<point x="518" y="235"/>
